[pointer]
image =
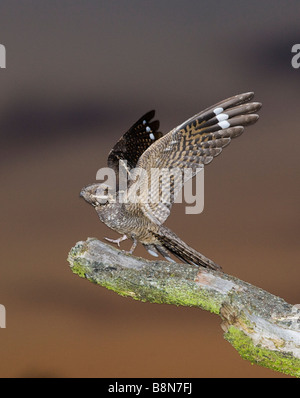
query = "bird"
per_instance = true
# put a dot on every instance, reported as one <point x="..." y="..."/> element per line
<point x="192" y="144"/>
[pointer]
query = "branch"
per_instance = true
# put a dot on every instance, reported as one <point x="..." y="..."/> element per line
<point x="263" y="328"/>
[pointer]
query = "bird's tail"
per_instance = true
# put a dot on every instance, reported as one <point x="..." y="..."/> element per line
<point x="181" y="250"/>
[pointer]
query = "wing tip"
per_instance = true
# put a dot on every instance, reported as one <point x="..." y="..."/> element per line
<point x="253" y="107"/>
<point x="247" y="96"/>
<point x="252" y="118"/>
<point x="149" y="115"/>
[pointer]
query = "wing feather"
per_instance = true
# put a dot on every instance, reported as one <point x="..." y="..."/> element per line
<point x="193" y="144"/>
<point x="141" y="135"/>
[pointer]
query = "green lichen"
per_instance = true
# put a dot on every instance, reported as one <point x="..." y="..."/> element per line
<point x="275" y="360"/>
<point x="78" y="270"/>
<point x="161" y="283"/>
<point x="188" y="295"/>
<point x="172" y="292"/>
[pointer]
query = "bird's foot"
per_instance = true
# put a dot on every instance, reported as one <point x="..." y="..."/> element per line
<point x="134" y="245"/>
<point x="117" y="241"/>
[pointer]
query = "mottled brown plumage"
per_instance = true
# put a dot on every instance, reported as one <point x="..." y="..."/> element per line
<point x="192" y="145"/>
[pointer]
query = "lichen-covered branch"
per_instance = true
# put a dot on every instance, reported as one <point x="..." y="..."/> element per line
<point x="263" y="328"/>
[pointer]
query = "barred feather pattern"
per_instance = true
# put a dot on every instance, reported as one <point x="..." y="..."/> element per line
<point x="193" y="144"/>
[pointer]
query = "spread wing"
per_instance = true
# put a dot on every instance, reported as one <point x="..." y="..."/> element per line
<point x="134" y="142"/>
<point x="192" y="145"/>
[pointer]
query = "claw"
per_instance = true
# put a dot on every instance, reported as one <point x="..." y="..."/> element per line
<point x="117" y="241"/>
<point x="134" y="245"/>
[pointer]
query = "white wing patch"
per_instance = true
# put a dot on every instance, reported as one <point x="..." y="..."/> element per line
<point x="224" y="124"/>
<point x="222" y="116"/>
<point x="218" y="110"/>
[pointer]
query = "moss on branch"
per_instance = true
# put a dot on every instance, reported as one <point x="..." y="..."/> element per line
<point x="256" y="323"/>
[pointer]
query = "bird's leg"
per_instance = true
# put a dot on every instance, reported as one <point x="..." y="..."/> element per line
<point x="117" y="241"/>
<point x="134" y="245"/>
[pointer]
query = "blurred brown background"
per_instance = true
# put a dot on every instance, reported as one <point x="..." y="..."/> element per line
<point x="78" y="74"/>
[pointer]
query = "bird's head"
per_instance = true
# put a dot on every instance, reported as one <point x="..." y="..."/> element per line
<point x="97" y="194"/>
